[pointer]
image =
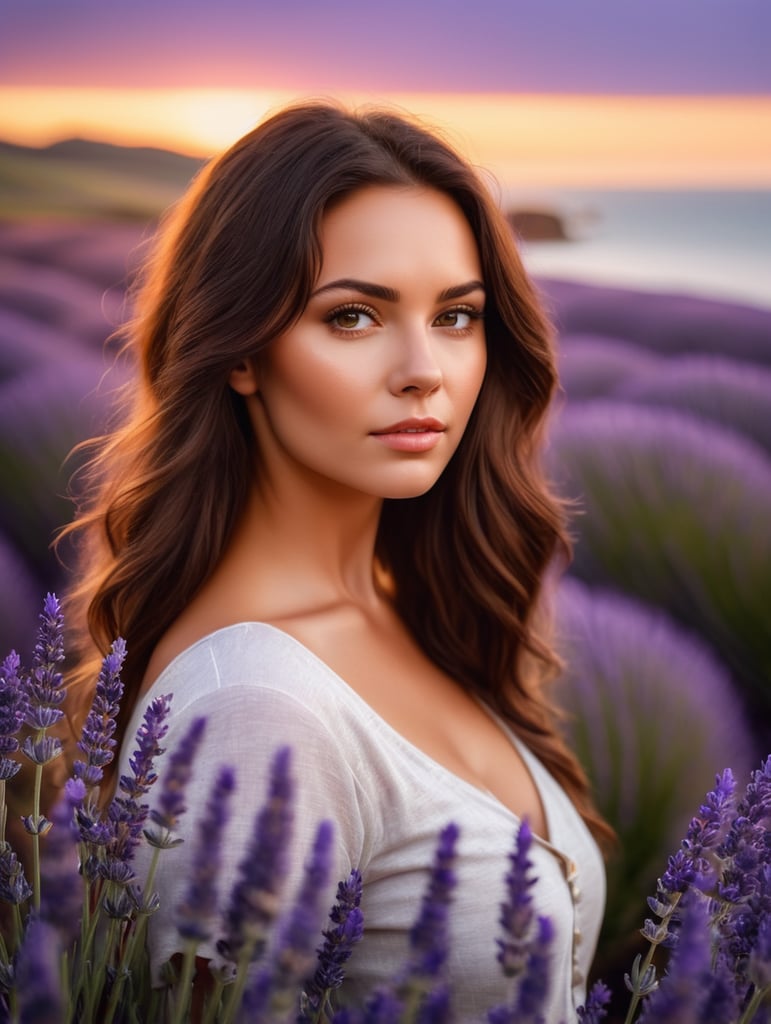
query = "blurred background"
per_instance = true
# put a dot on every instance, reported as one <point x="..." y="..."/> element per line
<point x="630" y="145"/>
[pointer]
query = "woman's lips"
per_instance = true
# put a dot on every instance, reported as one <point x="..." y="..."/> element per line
<point x="413" y="435"/>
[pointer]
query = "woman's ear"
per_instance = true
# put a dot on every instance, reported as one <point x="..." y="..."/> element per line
<point x="244" y="377"/>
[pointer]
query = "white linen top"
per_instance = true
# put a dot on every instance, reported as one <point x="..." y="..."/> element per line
<point x="261" y="689"/>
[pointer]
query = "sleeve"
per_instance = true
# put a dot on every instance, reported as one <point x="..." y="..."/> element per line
<point x="246" y="725"/>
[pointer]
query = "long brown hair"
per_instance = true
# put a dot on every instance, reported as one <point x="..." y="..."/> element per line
<point x="234" y="266"/>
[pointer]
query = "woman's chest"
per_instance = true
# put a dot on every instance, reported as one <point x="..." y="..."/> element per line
<point x="430" y="711"/>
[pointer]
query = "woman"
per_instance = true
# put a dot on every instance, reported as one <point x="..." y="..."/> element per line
<point x="324" y="524"/>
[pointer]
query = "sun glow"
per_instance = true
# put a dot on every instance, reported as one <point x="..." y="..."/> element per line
<point x="195" y="121"/>
<point x="633" y="142"/>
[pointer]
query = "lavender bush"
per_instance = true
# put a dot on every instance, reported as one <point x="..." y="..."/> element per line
<point x="44" y="412"/>
<point x="592" y="366"/>
<point x="633" y="686"/>
<point x="661" y="322"/>
<point x="74" y="949"/>
<point x="724" y="391"/>
<point x="676" y="513"/>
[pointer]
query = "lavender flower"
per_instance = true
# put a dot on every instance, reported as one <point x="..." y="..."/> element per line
<point x="642" y="980"/>
<point x="121" y="905"/>
<point x="41" y="750"/>
<point x="121" y="832"/>
<point x="44" y="693"/>
<point x="693" y="865"/>
<point x="96" y="740"/>
<point x="721" y="999"/>
<point x="534" y="985"/>
<point x="37" y="975"/>
<point x="420" y="984"/>
<point x="44" y="685"/>
<point x="275" y="987"/>
<point x="429" y="935"/>
<point x="13" y="708"/>
<point x="382" y="1007"/>
<point x="295" y="950"/>
<point x="87" y="819"/>
<point x="171" y="803"/>
<point x="693" y="869"/>
<point x="594" y="1009"/>
<point x="148" y="738"/>
<point x="195" y="915"/>
<point x="255" y="899"/>
<point x="680" y="875"/>
<point x="348" y="921"/>
<point x="754" y="808"/>
<point x="702" y="836"/>
<point x="522" y="954"/>
<point x="503" y="1014"/>
<point x="126" y="816"/>
<point x="745" y="885"/>
<point x="436" y="1008"/>
<point x="517" y="912"/>
<point x="116" y="869"/>
<point x="14" y="887"/>
<point x="143" y="901"/>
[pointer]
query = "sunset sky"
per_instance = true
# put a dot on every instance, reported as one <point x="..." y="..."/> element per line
<point x="571" y="91"/>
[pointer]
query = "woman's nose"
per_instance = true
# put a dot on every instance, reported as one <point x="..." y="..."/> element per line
<point x="417" y="368"/>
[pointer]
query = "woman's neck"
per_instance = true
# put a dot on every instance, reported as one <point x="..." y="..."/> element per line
<point x="286" y="563"/>
<point x="302" y="550"/>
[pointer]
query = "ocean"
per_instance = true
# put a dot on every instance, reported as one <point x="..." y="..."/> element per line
<point x="710" y="243"/>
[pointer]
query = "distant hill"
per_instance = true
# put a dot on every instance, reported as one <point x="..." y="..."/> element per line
<point x="143" y="159"/>
<point x="83" y="178"/>
<point x="80" y="179"/>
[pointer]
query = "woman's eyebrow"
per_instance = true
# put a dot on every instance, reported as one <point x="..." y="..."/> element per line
<point x="375" y="291"/>
<point x="380" y="291"/>
<point x="458" y="291"/>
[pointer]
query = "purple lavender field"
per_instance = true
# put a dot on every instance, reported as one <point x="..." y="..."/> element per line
<point x="62" y="288"/>
<point x="662" y="435"/>
<point x="662" y="438"/>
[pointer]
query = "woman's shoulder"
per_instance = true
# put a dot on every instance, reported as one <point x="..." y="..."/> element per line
<point x="245" y="654"/>
<point x="253" y="673"/>
<point x="259" y="689"/>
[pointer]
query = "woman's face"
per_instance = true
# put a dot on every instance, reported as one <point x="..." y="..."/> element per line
<point x="373" y="386"/>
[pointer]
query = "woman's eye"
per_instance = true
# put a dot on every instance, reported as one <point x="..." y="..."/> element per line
<point x="458" y="319"/>
<point x="351" y="319"/>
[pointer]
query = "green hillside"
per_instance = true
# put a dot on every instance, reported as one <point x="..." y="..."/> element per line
<point x="84" y="179"/>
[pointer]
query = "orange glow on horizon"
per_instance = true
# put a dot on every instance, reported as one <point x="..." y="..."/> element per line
<point x="591" y="141"/>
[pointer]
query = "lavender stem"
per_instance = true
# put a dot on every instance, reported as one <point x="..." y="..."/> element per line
<point x="184" y="983"/>
<point x="36" y="838"/>
<point x="637" y="995"/>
